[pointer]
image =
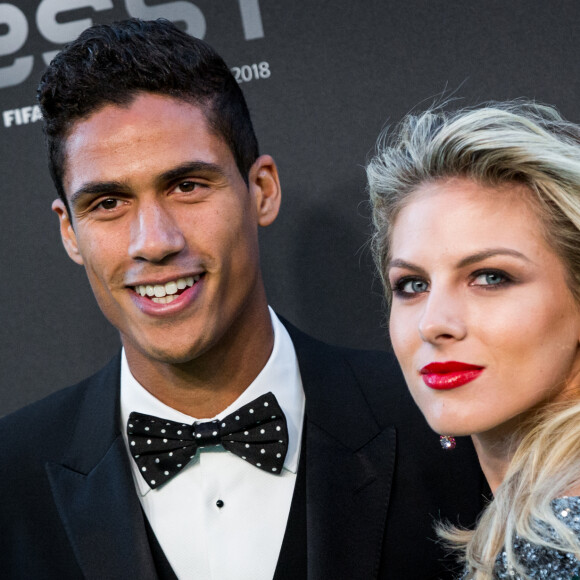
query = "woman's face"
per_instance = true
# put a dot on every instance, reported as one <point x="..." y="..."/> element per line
<point x="482" y="321"/>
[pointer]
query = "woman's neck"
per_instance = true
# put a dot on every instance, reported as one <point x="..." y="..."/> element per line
<point x="495" y="450"/>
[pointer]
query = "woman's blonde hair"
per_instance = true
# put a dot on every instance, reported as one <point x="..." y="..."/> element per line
<point x="511" y="142"/>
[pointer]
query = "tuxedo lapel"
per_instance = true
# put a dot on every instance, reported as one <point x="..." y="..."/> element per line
<point x="349" y="468"/>
<point x="292" y="563"/>
<point x="347" y="500"/>
<point x="101" y="515"/>
<point x="94" y="491"/>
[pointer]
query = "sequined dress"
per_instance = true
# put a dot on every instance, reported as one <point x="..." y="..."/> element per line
<point x="542" y="563"/>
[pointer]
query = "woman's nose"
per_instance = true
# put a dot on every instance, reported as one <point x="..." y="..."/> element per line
<point x="442" y="318"/>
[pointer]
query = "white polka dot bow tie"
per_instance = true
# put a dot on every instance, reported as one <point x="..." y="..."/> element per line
<point x="256" y="432"/>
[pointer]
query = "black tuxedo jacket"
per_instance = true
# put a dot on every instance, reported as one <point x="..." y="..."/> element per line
<point x="375" y="479"/>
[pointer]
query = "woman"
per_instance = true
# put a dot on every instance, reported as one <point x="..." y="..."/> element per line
<point x="477" y="241"/>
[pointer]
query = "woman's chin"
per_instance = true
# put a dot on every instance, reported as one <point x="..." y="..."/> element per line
<point x="450" y="427"/>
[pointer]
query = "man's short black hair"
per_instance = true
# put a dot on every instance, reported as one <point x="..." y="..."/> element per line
<point x="112" y="64"/>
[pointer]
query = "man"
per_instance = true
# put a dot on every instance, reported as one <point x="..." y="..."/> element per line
<point x="173" y="460"/>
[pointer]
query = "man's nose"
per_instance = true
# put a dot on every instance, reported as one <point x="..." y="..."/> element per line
<point x="443" y="318"/>
<point x="154" y="234"/>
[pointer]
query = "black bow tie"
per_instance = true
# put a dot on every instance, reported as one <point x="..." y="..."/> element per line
<point x="256" y="432"/>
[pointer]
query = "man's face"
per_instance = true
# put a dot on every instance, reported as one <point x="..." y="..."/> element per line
<point x="165" y="225"/>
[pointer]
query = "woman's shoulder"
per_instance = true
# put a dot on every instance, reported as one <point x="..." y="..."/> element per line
<point x="567" y="509"/>
<point x="542" y="561"/>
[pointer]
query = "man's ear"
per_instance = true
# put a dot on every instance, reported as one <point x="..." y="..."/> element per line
<point x="67" y="233"/>
<point x="264" y="184"/>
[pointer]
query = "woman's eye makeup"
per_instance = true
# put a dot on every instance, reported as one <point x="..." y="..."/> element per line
<point x="490" y="279"/>
<point x="408" y="286"/>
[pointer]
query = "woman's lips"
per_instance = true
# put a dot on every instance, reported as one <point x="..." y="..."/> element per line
<point x="449" y="375"/>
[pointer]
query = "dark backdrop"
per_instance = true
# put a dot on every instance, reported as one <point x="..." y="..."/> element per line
<point x="335" y="73"/>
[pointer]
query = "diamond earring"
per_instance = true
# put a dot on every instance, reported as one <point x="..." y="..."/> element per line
<point x="447" y="442"/>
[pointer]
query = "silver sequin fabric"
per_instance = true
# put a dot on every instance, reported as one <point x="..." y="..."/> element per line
<point x="542" y="563"/>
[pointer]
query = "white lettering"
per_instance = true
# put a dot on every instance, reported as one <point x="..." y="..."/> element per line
<point x="22" y="116"/>
<point x="36" y="114"/>
<point x="58" y="32"/>
<point x="15" y="27"/>
<point x="26" y="114"/>
<point x="179" y="11"/>
<point x="251" y="19"/>
<point x="12" y="42"/>
<point x="8" y="117"/>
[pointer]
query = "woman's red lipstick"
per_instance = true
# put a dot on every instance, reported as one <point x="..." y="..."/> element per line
<point x="449" y="375"/>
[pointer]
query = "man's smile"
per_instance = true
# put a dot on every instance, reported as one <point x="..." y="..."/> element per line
<point x="166" y="293"/>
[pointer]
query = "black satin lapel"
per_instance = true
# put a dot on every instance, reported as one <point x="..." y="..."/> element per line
<point x="103" y="518"/>
<point x="350" y="463"/>
<point x="347" y="500"/>
<point x="162" y="566"/>
<point x="292" y="563"/>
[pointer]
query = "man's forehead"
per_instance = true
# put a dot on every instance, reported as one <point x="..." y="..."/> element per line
<point x="152" y="107"/>
<point x="153" y="129"/>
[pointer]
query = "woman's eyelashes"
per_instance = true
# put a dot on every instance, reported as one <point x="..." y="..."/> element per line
<point x="409" y="286"/>
<point x="489" y="279"/>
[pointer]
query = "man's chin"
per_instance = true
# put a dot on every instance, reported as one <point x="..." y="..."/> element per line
<point x="166" y="354"/>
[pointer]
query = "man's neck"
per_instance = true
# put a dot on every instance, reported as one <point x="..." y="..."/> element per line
<point x="209" y="383"/>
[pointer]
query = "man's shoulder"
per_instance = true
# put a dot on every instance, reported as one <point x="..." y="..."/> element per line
<point x="358" y="358"/>
<point x="374" y="375"/>
<point x="51" y="422"/>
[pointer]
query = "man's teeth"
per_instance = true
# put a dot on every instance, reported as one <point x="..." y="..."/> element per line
<point x="165" y="293"/>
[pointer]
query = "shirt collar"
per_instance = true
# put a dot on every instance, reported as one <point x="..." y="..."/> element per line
<point x="280" y="375"/>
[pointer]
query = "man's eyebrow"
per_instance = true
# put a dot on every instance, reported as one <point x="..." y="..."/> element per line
<point x="188" y="168"/>
<point x="94" y="188"/>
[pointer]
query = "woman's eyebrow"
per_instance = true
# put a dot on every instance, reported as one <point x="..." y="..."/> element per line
<point x="490" y="253"/>
<point x="468" y="260"/>
<point x="398" y="263"/>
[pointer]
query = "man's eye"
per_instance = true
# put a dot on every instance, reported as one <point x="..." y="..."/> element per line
<point x="108" y="204"/>
<point x="187" y="186"/>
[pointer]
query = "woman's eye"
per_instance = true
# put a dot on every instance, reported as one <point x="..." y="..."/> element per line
<point x="409" y="286"/>
<point x="491" y="278"/>
<point x="415" y="286"/>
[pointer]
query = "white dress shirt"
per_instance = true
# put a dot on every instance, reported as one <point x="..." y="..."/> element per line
<point x="242" y="539"/>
